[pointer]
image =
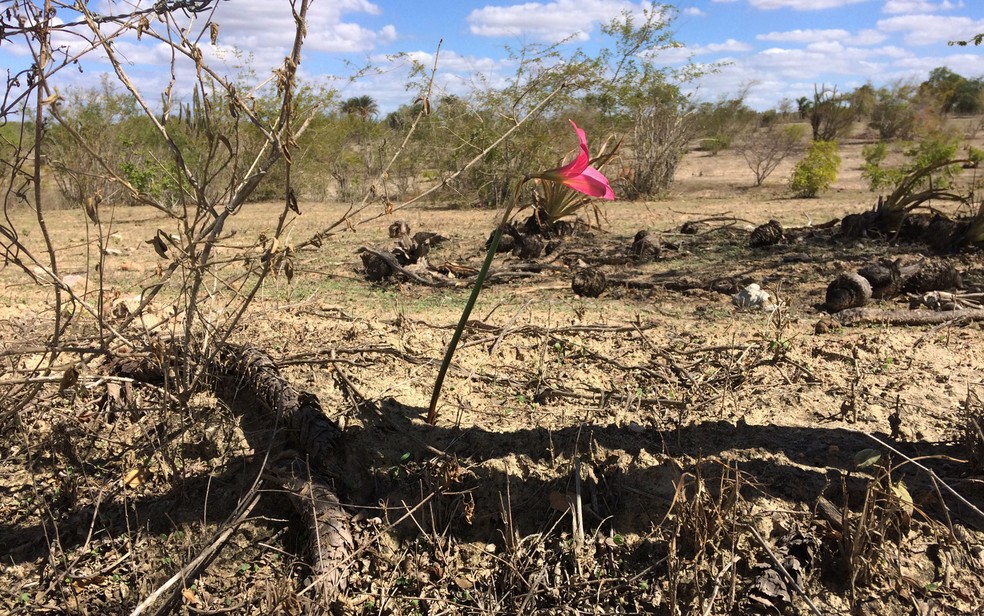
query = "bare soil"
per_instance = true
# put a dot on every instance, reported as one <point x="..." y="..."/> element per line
<point x="652" y="450"/>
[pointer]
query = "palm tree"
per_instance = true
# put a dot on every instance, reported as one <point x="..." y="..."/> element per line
<point x="804" y="106"/>
<point x="363" y="106"/>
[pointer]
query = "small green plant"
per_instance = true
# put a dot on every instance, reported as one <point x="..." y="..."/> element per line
<point x="873" y="169"/>
<point x="399" y="469"/>
<point x="817" y="171"/>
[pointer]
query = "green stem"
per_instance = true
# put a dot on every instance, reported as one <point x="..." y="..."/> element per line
<point x="449" y="353"/>
<point x="479" y="281"/>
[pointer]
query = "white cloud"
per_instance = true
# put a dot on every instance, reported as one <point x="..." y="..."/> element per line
<point x="866" y="37"/>
<point x="829" y="58"/>
<point x="863" y="38"/>
<point x="804" y="36"/>
<point x="801" y="5"/>
<point x="679" y="55"/>
<point x="552" y="22"/>
<point x="896" y="7"/>
<point x="254" y="35"/>
<point x="789" y="73"/>
<point x="930" y="29"/>
<point x="968" y="65"/>
<point x="256" y="25"/>
<point x="727" y="46"/>
<point x="693" y="11"/>
<point x="453" y="62"/>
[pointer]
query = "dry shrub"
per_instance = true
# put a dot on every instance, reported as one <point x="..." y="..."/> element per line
<point x="972" y="430"/>
<point x="702" y="532"/>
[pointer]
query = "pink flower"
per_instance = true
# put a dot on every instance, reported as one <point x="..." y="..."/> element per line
<point x="578" y="174"/>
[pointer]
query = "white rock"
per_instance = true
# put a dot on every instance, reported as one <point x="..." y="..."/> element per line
<point x="752" y="297"/>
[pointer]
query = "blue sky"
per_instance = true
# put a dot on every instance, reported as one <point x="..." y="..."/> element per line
<point x="774" y="48"/>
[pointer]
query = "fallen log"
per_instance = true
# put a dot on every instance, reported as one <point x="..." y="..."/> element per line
<point x="380" y="265"/>
<point x="884" y="279"/>
<point x="249" y="382"/>
<point x="877" y="316"/>
<point x="248" y="377"/>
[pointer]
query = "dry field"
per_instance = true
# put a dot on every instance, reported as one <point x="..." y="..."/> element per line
<point x="653" y="450"/>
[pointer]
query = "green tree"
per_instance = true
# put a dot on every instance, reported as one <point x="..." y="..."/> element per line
<point x="100" y="145"/>
<point x="726" y="121"/>
<point x="975" y="40"/>
<point x="954" y="93"/>
<point x="895" y="111"/>
<point x="968" y="97"/>
<point x="804" y="106"/>
<point x="830" y="113"/>
<point x="862" y="101"/>
<point x="364" y="107"/>
<point x="933" y="152"/>
<point x="647" y="98"/>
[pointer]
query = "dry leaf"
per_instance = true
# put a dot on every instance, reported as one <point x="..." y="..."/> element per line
<point x="136" y="477"/>
<point x="560" y="501"/>
<point x="190" y="596"/>
<point x="158" y="243"/>
<point x="68" y="380"/>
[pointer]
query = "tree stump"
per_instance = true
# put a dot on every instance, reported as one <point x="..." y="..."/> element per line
<point x="885" y="278"/>
<point x="528" y="247"/>
<point x="934" y="276"/>
<point x="769" y="234"/>
<point x="399" y="228"/>
<point x="692" y="228"/>
<point x="589" y="282"/>
<point x="645" y="247"/>
<point x="506" y="243"/>
<point x="848" y="290"/>
<point x="376" y="268"/>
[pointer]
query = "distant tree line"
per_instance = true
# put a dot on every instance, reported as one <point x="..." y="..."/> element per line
<point x="621" y="92"/>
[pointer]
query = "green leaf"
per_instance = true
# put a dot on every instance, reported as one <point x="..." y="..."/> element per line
<point x="866" y="458"/>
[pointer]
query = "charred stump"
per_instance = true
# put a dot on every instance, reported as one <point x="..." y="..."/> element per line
<point x="692" y="227"/>
<point x="777" y="582"/>
<point x="528" y="246"/>
<point x="248" y="381"/>
<point x="399" y="228"/>
<point x="429" y="237"/>
<point x="946" y="236"/>
<point x="936" y="275"/>
<point x="769" y="234"/>
<point x="376" y="267"/>
<point x="848" y="290"/>
<point x="409" y="251"/>
<point x="885" y="278"/>
<point x="589" y="282"/>
<point x="507" y="242"/>
<point x="541" y="224"/>
<point x="645" y="247"/>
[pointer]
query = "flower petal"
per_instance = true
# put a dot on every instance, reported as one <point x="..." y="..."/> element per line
<point x="578" y="174"/>
<point x="599" y="178"/>
<point x="591" y="182"/>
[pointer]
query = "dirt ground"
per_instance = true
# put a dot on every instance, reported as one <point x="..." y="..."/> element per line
<point x="653" y="450"/>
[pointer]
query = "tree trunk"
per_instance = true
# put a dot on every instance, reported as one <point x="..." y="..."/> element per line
<point x="248" y="380"/>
